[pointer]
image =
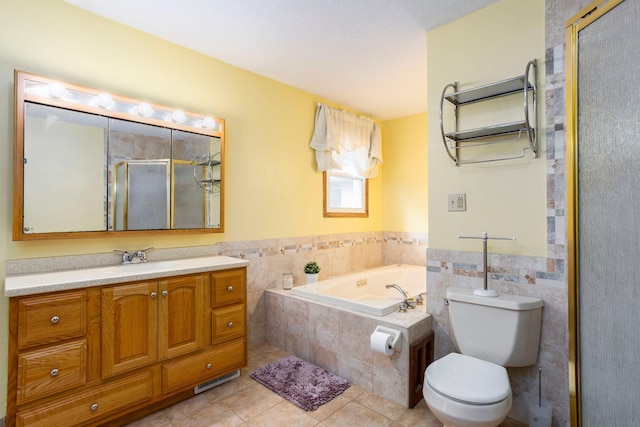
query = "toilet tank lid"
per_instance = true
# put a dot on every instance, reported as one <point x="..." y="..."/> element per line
<point x="506" y="301"/>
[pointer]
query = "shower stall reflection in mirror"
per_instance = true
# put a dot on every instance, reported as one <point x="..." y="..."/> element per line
<point x="195" y="206"/>
<point x="151" y="194"/>
<point x="603" y="226"/>
<point x="141" y="190"/>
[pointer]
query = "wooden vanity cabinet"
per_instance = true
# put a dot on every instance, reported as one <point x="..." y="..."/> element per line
<point x="91" y="356"/>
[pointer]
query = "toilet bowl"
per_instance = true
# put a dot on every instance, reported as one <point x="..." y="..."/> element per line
<point x="463" y="391"/>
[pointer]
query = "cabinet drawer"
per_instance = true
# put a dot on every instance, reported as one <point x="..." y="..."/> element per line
<point x="84" y="407"/>
<point x="227" y="323"/>
<point x="51" y="318"/>
<point x="228" y="287"/>
<point x="51" y="370"/>
<point x="193" y="370"/>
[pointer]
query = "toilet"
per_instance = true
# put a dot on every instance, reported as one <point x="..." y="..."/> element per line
<point x="471" y="388"/>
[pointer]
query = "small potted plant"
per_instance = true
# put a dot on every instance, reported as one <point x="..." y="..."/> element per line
<point x="311" y="270"/>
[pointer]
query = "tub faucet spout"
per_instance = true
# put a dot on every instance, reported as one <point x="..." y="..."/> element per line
<point x="408" y="301"/>
<point x="393" y="285"/>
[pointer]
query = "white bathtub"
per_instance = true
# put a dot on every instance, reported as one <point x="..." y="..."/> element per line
<point x="366" y="291"/>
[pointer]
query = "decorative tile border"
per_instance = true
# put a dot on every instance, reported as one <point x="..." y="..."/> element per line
<point x="513" y="269"/>
<point x="251" y="249"/>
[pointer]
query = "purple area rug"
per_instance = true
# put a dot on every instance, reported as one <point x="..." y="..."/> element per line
<point x="300" y="382"/>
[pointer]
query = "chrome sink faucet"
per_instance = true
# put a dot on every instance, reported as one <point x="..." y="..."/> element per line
<point x="408" y="302"/>
<point x="141" y="255"/>
<point x="127" y="258"/>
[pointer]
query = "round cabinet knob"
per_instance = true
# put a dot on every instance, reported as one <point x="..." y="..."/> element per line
<point x="153" y="294"/>
<point x="230" y="325"/>
<point x="165" y="293"/>
<point x="230" y="288"/>
<point x="55" y="319"/>
<point x="94" y="407"/>
<point x="54" y="372"/>
<point x="209" y="366"/>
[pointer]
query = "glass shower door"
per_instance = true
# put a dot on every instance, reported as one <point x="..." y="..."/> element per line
<point x="608" y="217"/>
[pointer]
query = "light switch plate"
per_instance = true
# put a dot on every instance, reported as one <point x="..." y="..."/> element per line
<point x="457" y="202"/>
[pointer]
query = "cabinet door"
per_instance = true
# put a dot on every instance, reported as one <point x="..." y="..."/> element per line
<point x="181" y="317"/>
<point x="129" y="327"/>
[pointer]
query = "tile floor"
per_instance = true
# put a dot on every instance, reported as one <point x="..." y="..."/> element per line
<point x="245" y="403"/>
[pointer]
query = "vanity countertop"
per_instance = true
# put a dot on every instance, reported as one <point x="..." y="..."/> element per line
<point x="28" y="284"/>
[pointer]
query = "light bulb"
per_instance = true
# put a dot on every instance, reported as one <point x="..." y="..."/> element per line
<point x="179" y="116"/>
<point x="145" y="109"/>
<point x="56" y="89"/>
<point x="105" y="100"/>
<point x="208" y="123"/>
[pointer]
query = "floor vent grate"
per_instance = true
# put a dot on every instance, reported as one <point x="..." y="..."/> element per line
<point x="216" y="382"/>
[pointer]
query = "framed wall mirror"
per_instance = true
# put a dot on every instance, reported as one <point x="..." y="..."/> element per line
<point x="92" y="164"/>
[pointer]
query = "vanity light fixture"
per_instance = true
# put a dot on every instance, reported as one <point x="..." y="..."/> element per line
<point x="73" y="95"/>
<point x="104" y="100"/>
<point x="145" y="109"/>
<point x="56" y="90"/>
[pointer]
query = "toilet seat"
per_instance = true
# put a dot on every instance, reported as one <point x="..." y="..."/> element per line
<point x="468" y="380"/>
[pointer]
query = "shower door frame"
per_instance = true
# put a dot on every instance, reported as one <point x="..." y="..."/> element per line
<point x="584" y="18"/>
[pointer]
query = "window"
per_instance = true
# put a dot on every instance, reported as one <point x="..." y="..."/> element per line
<point x="345" y="192"/>
<point x="348" y="151"/>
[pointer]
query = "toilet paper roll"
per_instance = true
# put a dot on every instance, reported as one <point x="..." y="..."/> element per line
<point x="382" y="343"/>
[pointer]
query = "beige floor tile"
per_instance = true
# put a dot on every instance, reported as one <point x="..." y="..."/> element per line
<point x="180" y="409"/>
<point x="419" y="415"/>
<point x="353" y="391"/>
<point x="157" y="419"/>
<point x="212" y="415"/>
<point x="381" y="405"/>
<point x="251" y="400"/>
<point x="283" y="414"/>
<point x="229" y="388"/>
<point x="329" y="408"/>
<point x="356" y="415"/>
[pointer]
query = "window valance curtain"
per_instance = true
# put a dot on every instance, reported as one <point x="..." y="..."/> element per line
<point x="337" y="132"/>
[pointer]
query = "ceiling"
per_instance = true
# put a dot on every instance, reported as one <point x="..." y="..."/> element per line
<point x="367" y="55"/>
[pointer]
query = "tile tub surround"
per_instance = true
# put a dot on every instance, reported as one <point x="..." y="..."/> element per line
<point x="336" y="254"/>
<point x="509" y="274"/>
<point x="338" y="340"/>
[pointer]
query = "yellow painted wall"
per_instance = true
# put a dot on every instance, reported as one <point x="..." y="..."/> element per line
<point x="404" y="184"/>
<point x="503" y="198"/>
<point x="272" y="187"/>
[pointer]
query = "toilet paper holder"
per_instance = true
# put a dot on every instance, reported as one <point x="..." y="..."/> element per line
<point x="394" y="333"/>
